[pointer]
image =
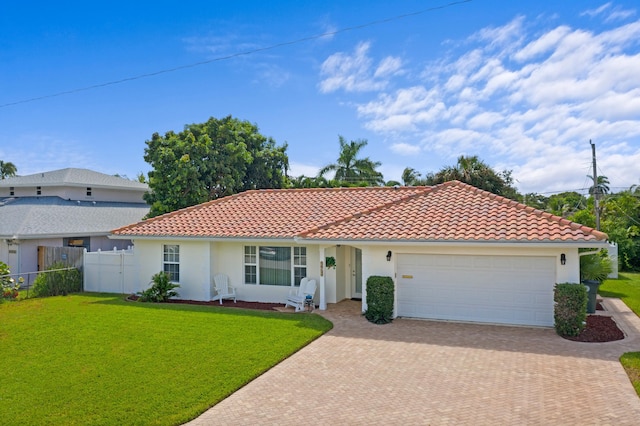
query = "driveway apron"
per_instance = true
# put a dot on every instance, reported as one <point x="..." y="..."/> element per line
<point x="441" y="373"/>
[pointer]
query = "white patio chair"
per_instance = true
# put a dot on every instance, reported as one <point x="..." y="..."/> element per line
<point x="298" y="297"/>
<point x="222" y="288"/>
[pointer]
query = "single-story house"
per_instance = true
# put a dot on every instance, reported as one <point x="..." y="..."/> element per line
<point x="454" y="252"/>
<point x="64" y="208"/>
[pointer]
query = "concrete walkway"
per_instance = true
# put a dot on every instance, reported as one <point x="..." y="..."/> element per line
<point x="441" y="373"/>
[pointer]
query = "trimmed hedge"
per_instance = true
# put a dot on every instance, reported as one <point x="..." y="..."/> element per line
<point x="570" y="310"/>
<point x="379" y="299"/>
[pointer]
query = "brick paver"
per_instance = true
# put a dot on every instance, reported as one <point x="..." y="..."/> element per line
<point x="441" y="373"/>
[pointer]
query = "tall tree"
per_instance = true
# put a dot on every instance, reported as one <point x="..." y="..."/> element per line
<point x="7" y="169"/>
<point x="211" y="160"/>
<point x="472" y="170"/>
<point x="603" y="185"/>
<point x="351" y="170"/>
<point x="411" y="177"/>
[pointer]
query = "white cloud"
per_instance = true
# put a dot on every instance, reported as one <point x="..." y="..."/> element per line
<point x="405" y="148"/>
<point x="300" y="169"/>
<point x="530" y="101"/>
<point x="615" y="13"/>
<point x="597" y="11"/>
<point x="356" y="72"/>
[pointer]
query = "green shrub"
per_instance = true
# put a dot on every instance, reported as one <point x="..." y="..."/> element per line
<point x="570" y="310"/>
<point x="8" y="286"/>
<point x="379" y="300"/>
<point x="595" y="267"/>
<point x="161" y="289"/>
<point x="58" y="280"/>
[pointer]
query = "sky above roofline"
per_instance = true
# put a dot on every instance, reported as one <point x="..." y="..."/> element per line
<point x="523" y="85"/>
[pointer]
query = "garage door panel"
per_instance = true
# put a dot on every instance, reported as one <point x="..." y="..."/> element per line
<point x="502" y="289"/>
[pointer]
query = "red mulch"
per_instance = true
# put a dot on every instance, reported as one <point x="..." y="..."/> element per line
<point x="225" y="303"/>
<point x="600" y="329"/>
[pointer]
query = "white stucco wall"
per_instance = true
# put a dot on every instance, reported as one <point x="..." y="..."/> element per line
<point x="201" y="260"/>
<point x="194" y="266"/>
<point x="374" y="259"/>
<point x="228" y="258"/>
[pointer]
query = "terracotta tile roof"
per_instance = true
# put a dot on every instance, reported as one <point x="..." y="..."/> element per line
<point x="452" y="211"/>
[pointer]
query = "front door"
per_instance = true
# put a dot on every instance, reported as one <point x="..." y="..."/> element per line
<point x="356" y="273"/>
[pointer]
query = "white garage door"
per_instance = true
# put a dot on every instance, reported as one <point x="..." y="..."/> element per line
<point x="496" y="289"/>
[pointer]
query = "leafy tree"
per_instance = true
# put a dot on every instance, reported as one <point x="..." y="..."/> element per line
<point x="537" y="201"/>
<point x="7" y="169"/>
<point x="310" y="182"/>
<point x="211" y="160"/>
<point x="566" y="203"/>
<point x="351" y="170"/>
<point x="620" y="219"/>
<point x="475" y="172"/>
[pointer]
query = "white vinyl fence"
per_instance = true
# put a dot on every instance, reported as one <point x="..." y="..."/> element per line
<point x="110" y="272"/>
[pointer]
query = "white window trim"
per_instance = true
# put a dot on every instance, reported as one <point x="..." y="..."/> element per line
<point x="171" y="262"/>
<point x="294" y="265"/>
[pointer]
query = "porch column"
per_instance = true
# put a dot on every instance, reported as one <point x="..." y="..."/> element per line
<point x="323" y="298"/>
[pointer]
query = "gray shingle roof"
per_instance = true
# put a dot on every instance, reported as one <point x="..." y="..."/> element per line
<point x="33" y="217"/>
<point x="73" y="177"/>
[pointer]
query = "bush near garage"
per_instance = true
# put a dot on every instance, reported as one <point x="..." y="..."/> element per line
<point x="570" y="310"/>
<point x="379" y="299"/>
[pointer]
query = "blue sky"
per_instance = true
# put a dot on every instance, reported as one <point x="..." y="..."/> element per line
<point x="524" y="85"/>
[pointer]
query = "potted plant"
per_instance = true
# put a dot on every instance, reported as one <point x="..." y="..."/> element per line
<point x="594" y="268"/>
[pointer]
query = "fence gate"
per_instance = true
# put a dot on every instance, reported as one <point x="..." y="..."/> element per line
<point x="70" y="256"/>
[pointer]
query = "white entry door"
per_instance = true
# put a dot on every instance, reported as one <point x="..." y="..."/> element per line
<point x="356" y="273"/>
<point x="493" y="289"/>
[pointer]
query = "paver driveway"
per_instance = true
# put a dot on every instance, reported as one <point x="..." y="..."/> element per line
<point x="439" y="373"/>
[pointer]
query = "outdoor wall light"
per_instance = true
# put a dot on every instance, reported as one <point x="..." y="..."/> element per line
<point x="389" y="256"/>
<point x="563" y="259"/>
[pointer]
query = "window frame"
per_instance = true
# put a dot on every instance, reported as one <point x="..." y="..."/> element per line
<point x="171" y="261"/>
<point x="298" y="268"/>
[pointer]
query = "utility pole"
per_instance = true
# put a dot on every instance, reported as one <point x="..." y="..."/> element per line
<point x="596" y="188"/>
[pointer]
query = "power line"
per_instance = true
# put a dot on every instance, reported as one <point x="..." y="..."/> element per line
<point x="235" y="55"/>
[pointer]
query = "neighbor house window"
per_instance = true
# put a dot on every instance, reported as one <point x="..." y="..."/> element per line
<point x="268" y="265"/>
<point x="171" y="261"/>
<point x="12" y="191"/>
<point x="38" y="190"/>
<point x="88" y="192"/>
<point x="77" y="242"/>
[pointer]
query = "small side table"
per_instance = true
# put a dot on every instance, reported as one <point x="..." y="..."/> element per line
<point x="309" y="305"/>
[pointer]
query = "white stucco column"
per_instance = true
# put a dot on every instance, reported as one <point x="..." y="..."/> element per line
<point x="323" y="297"/>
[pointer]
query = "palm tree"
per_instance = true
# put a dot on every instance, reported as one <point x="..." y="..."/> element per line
<point x="410" y="177"/>
<point x="351" y="170"/>
<point x="603" y="185"/>
<point x="7" y="169"/>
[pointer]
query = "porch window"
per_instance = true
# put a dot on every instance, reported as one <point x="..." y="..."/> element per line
<point x="171" y="261"/>
<point x="269" y="265"/>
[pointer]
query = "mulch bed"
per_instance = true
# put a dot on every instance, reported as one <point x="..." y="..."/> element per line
<point x="599" y="329"/>
<point x="225" y="303"/>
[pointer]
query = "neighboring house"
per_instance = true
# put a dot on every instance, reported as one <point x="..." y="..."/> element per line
<point x="68" y="207"/>
<point x="454" y="252"/>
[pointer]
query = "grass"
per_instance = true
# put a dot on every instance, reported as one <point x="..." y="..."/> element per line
<point x="627" y="288"/>
<point x="97" y="359"/>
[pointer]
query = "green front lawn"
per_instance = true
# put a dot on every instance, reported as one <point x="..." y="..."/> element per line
<point x="97" y="359"/>
<point x="627" y="288"/>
